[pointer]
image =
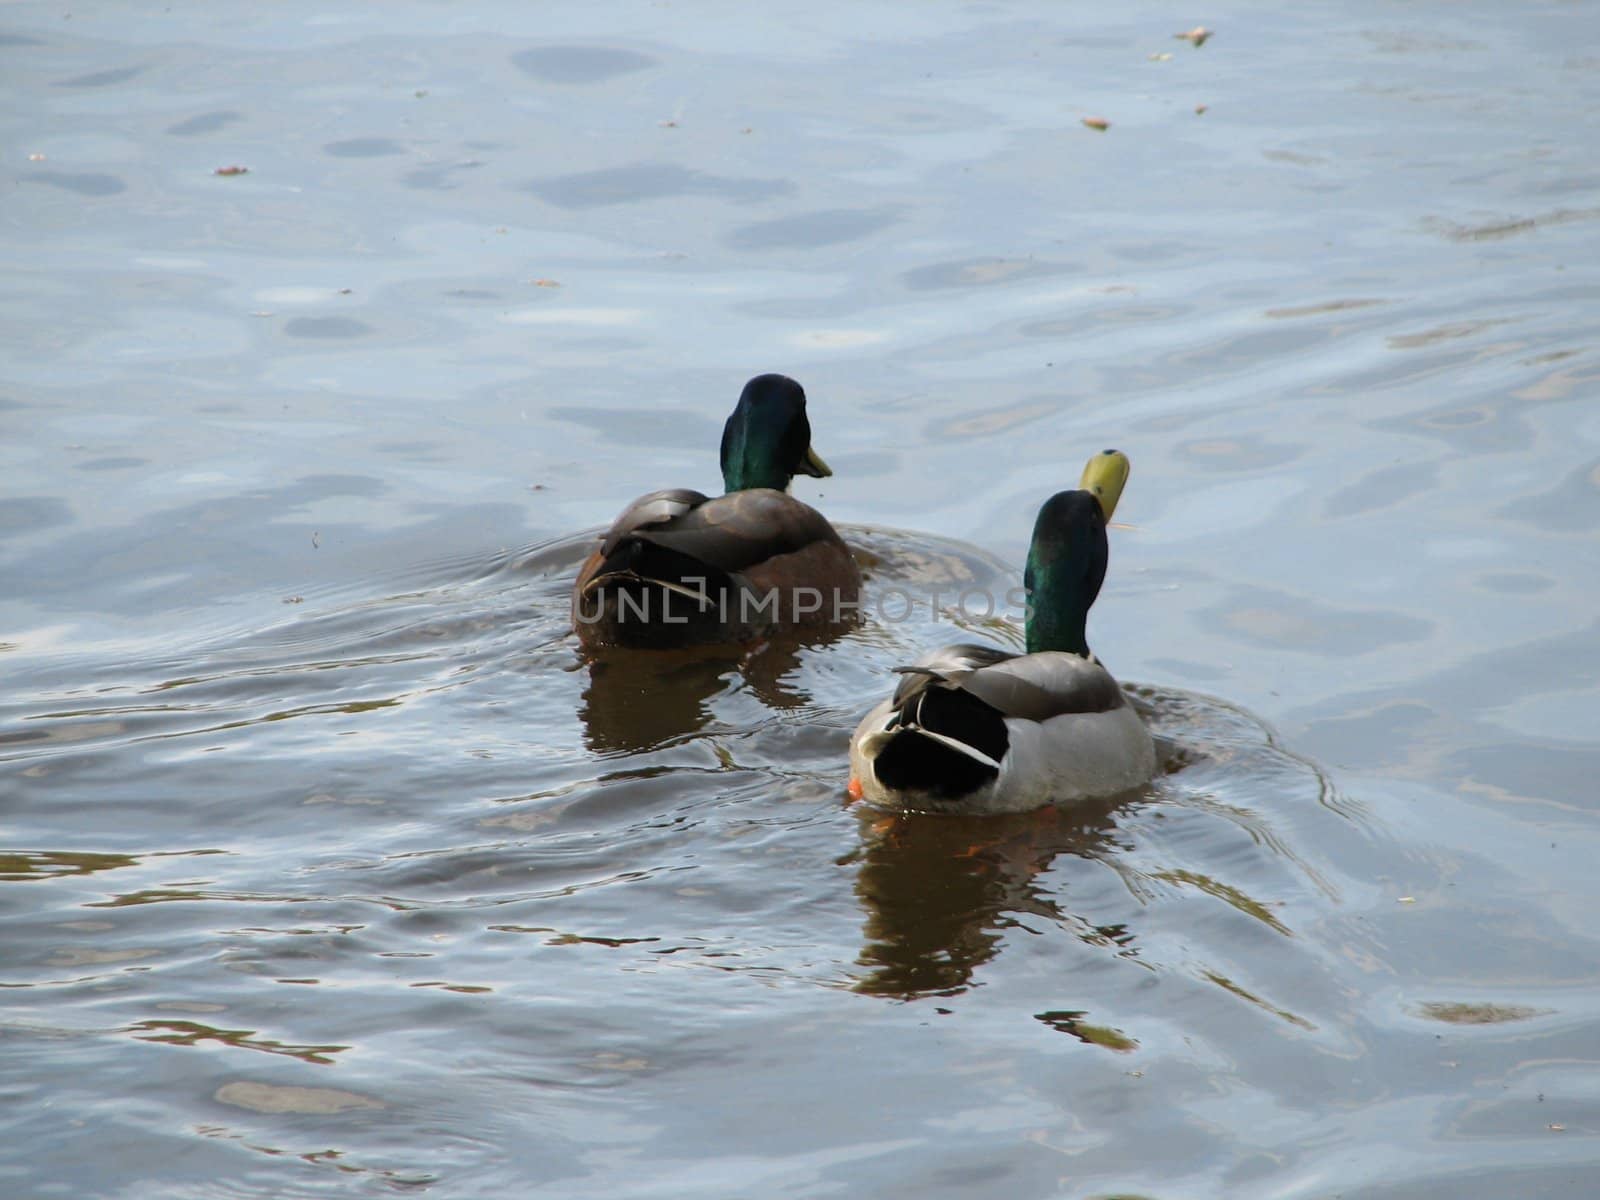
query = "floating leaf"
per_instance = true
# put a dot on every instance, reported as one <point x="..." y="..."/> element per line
<point x="1072" y="1022"/>
<point x="1456" y="1013"/>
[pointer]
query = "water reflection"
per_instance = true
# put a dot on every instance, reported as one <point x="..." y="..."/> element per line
<point x="635" y="702"/>
<point x="638" y="700"/>
<point x="28" y="865"/>
<point x="940" y="892"/>
<point x="640" y="182"/>
<point x="941" y="895"/>
<point x="193" y="1033"/>
<point x="580" y="64"/>
<point x="85" y="183"/>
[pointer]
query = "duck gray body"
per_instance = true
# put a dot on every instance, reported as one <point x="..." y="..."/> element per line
<point x="680" y="568"/>
<point x="974" y="729"/>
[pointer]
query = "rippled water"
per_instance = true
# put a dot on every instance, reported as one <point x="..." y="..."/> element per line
<point x="328" y="867"/>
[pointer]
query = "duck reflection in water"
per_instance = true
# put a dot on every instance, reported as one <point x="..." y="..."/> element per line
<point x="940" y="892"/>
<point x="639" y="700"/>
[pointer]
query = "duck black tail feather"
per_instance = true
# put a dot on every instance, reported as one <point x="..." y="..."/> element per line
<point x="915" y="761"/>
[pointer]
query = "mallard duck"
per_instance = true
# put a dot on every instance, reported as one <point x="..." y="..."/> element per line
<point x="678" y="568"/>
<point x="973" y="729"/>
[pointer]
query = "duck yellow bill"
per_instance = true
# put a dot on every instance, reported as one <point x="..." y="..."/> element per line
<point x="1104" y="475"/>
<point x="812" y="464"/>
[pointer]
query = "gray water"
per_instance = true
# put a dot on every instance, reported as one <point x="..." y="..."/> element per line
<point x="329" y="867"/>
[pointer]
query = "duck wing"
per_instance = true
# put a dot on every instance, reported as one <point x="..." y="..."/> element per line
<point x="735" y="532"/>
<point x="651" y="511"/>
<point x="1029" y="687"/>
<point x="948" y="664"/>
<point x="627" y="553"/>
<point x="702" y="546"/>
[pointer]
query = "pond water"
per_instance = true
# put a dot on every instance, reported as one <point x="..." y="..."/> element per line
<point x="328" y="867"/>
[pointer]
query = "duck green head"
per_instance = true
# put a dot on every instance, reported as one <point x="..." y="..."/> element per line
<point x="1067" y="558"/>
<point x="767" y="441"/>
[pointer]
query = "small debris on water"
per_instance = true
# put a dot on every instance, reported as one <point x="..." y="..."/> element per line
<point x="233" y="170"/>
<point x="1199" y="109"/>
<point x="1196" y="36"/>
<point x="280" y="1098"/>
<point x="1099" y="123"/>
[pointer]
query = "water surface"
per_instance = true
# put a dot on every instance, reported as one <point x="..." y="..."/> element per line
<point x="328" y="867"/>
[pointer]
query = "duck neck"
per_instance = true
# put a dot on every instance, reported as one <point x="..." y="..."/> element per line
<point x="740" y="477"/>
<point x="1066" y="564"/>
<point x="750" y="460"/>
<point x="1053" y="625"/>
